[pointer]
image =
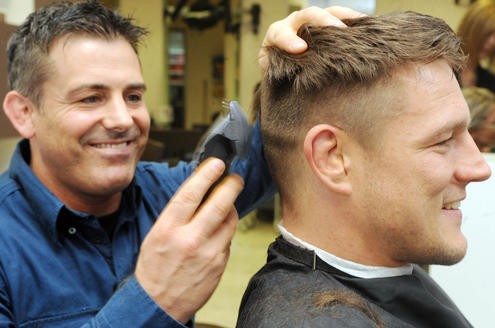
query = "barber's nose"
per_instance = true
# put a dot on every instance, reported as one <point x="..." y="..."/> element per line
<point x="472" y="165"/>
<point x="117" y="115"/>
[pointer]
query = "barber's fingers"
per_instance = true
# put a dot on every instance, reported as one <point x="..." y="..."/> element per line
<point x="182" y="207"/>
<point x="282" y="33"/>
<point x="343" y="12"/>
<point x="218" y="209"/>
<point x="221" y="238"/>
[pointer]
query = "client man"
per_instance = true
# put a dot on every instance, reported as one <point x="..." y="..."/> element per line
<point x="366" y="136"/>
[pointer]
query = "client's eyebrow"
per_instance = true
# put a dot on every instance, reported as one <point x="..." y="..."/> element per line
<point x="450" y="127"/>
<point x="99" y="86"/>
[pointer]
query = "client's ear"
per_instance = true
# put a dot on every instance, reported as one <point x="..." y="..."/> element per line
<point x="19" y="110"/>
<point x="323" y="151"/>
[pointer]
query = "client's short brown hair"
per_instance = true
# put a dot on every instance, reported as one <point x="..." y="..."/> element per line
<point x="345" y="78"/>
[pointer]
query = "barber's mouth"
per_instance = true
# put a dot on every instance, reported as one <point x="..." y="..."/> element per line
<point x="112" y="145"/>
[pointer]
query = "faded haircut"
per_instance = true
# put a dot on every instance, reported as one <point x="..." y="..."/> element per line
<point x="345" y="78"/>
<point x="27" y="50"/>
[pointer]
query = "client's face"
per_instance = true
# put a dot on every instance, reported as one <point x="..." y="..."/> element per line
<point x="413" y="187"/>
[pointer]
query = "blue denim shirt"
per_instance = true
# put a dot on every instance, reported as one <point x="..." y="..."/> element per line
<point x="58" y="268"/>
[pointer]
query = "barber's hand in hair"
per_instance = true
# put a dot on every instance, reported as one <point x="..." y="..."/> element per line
<point x="185" y="253"/>
<point x="282" y="33"/>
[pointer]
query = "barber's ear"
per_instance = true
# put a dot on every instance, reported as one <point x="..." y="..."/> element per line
<point x="323" y="149"/>
<point x="19" y="110"/>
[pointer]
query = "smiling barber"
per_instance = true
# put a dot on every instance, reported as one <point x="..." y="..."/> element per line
<point x="91" y="236"/>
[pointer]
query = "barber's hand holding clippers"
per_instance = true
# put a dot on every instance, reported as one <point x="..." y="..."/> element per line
<point x="185" y="253"/>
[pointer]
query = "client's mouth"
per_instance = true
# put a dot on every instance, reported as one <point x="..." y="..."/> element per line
<point x="452" y="206"/>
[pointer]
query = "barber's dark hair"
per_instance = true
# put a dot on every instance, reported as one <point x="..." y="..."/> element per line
<point x="342" y="79"/>
<point x="27" y="49"/>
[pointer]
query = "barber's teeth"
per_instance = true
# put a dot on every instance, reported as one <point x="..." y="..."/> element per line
<point x="452" y="206"/>
<point x="120" y="145"/>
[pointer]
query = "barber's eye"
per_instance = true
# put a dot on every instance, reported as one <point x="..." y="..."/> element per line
<point x="134" y="97"/>
<point x="90" y="99"/>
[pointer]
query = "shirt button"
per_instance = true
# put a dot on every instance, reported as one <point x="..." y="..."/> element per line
<point x="72" y="230"/>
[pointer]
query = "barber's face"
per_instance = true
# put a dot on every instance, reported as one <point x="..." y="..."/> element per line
<point x="92" y="124"/>
<point x="413" y="186"/>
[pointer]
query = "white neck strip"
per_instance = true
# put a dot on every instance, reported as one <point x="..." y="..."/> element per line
<point x="352" y="268"/>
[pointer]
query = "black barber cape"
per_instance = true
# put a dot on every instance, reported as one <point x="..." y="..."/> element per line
<point x="283" y="293"/>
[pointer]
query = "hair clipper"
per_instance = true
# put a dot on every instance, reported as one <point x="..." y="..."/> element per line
<point x="229" y="137"/>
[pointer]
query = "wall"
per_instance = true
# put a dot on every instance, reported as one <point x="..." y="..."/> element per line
<point x="201" y="46"/>
<point x="153" y="51"/>
<point x="445" y="9"/>
<point x="16" y="10"/>
<point x="6" y="128"/>
<point x="250" y="43"/>
<point x="231" y="52"/>
<point x="469" y="283"/>
<point x="7" y="146"/>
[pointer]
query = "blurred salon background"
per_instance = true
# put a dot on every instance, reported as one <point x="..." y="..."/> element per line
<point x="202" y="52"/>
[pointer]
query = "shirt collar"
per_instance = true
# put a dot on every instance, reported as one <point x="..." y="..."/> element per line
<point x="352" y="268"/>
<point x="48" y="207"/>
